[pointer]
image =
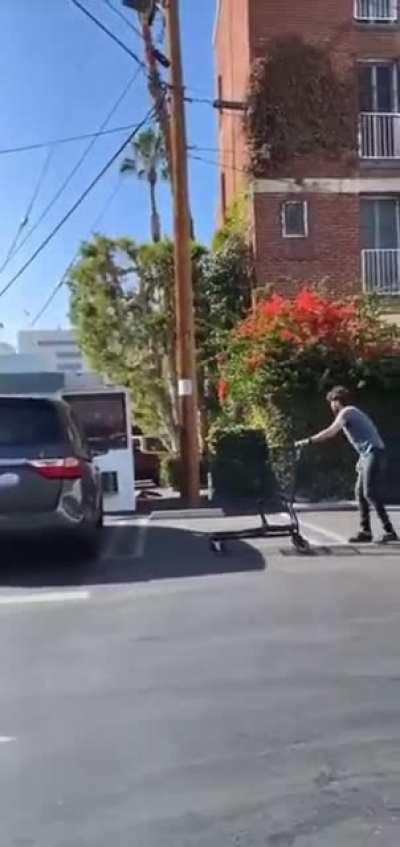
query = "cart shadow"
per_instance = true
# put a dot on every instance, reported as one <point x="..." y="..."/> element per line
<point x="168" y="553"/>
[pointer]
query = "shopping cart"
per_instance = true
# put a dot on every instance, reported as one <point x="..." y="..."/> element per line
<point x="281" y="504"/>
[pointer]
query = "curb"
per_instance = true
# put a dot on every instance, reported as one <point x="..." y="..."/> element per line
<point x="343" y="506"/>
<point x="182" y="514"/>
<point x="209" y="513"/>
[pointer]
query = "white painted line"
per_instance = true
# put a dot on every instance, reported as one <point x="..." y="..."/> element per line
<point x="44" y="597"/>
<point x="106" y="552"/>
<point x="140" y="543"/>
<point x="7" y="739"/>
<point x="333" y="536"/>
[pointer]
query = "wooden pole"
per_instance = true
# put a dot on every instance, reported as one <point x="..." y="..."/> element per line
<point x="185" y="325"/>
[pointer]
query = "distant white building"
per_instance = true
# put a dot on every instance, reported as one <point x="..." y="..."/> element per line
<point x="6" y="349"/>
<point x="57" y="348"/>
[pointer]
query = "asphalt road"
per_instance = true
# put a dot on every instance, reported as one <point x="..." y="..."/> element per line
<point x="164" y="698"/>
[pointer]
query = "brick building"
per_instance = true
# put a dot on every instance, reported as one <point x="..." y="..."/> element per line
<point x="318" y="217"/>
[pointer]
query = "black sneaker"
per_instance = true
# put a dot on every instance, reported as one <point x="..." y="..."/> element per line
<point x="362" y="537"/>
<point x="389" y="537"/>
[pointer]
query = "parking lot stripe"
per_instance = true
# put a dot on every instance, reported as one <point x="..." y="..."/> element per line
<point x="334" y="537"/>
<point x="44" y="597"/>
<point x="7" y="739"/>
<point x="140" y="541"/>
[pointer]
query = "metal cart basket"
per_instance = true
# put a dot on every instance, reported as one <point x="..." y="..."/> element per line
<point x="282" y="504"/>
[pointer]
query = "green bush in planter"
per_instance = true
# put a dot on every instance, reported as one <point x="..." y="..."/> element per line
<point x="239" y="465"/>
<point x="171" y="470"/>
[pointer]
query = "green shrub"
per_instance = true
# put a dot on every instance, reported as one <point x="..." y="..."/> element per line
<point x="171" y="472"/>
<point x="239" y="464"/>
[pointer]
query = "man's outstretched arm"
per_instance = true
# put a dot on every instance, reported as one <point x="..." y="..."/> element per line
<point x="325" y="434"/>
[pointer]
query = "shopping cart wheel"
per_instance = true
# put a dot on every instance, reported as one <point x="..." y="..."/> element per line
<point x="218" y="547"/>
<point x="300" y="543"/>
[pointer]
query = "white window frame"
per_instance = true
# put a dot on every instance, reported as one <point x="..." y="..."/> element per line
<point x="393" y="64"/>
<point x="369" y="19"/>
<point x="287" y="203"/>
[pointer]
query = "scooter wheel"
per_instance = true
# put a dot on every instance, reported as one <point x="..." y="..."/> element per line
<point x="300" y="543"/>
<point x="218" y="547"/>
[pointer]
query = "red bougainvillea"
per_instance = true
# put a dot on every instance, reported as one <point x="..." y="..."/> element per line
<point x="289" y="341"/>
<point x="223" y="390"/>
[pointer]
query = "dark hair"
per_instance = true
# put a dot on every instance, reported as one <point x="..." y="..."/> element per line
<point x="339" y="394"/>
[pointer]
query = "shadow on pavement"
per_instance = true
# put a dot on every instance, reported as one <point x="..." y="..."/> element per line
<point x="166" y="553"/>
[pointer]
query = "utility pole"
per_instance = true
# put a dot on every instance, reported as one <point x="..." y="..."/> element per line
<point x="185" y="326"/>
<point x="146" y="10"/>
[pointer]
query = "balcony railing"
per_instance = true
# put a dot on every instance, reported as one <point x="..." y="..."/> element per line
<point x="381" y="272"/>
<point x="379" y="135"/>
<point x="376" y="11"/>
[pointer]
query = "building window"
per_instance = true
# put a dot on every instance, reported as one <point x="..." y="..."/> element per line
<point x="68" y="366"/>
<point x="67" y="354"/>
<point x="376" y="11"/>
<point x="57" y="343"/>
<point x="380" y="243"/>
<point x="378" y="85"/>
<point x="295" y="219"/>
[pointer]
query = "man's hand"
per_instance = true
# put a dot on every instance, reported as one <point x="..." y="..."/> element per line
<point x="304" y="442"/>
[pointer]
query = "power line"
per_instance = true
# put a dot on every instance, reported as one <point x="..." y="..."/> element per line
<point x="207" y="100"/>
<point x="223" y="165"/>
<point x="65" y="140"/>
<point x="195" y="147"/>
<point x="70" y="176"/>
<point x="60" y="284"/>
<point x="77" y="203"/>
<point x="25" y="219"/>
<point x="51" y="297"/>
<point x="109" y="33"/>
<point x="123" y="18"/>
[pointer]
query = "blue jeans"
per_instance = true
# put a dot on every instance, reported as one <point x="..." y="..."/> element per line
<point x="369" y="485"/>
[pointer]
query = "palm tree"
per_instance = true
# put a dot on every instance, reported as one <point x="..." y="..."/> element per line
<point x="148" y="161"/>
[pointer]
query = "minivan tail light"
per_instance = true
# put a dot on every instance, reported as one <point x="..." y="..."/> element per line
<point x="69" y="468"/>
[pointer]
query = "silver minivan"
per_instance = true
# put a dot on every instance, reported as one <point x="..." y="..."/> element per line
<point x="48" y="478"/>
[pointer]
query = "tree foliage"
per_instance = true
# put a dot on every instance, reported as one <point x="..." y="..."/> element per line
<point x="123" y="310"/>
<point x="298" y="104"/>
<point x="305" y="344"/>
<point x="224" y="296"/>
<point x="282" y="359"/>
<point x="148" y="161"/>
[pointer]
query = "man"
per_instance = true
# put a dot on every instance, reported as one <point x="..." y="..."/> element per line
<point x="363" y="435"/>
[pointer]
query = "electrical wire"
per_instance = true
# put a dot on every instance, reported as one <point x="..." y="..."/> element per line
<point x="62" y="281"/>
<point x="205" y="100"/>
<point x="25" y="220"/>
<point x="66" y="140"/>
<point x="108" y="32"/>
<point x="195" y="147"/>
<point x="72" y="173"/>
<point x="123" y="18"/>
<point x="78" y="202"/>
<point x="222" y="165"/>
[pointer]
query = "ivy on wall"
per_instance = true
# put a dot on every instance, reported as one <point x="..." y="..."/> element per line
<point x="298" y="104"/>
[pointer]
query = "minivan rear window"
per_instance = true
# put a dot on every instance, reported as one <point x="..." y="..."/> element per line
<point x="27" y="423"/>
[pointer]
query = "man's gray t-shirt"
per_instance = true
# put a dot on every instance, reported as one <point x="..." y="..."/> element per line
<point x="360" y="430"/>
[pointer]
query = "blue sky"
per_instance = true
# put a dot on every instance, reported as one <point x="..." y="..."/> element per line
<point x="60" y="76"/>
